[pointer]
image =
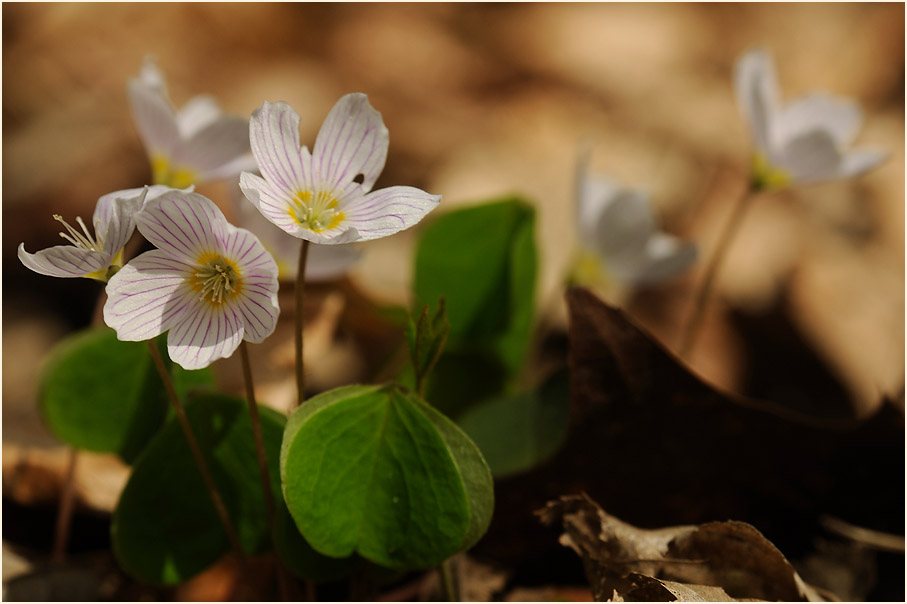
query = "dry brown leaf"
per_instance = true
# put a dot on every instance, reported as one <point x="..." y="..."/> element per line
<point x="716" y="561"/>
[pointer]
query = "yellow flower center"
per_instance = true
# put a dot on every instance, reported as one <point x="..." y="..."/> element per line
<point x="163" y="172"/>
<point x="315" y="211"/>
<point x="765" y="176"/>
<point x="217" y="279"/>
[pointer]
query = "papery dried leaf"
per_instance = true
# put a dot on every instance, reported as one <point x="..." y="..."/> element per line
<point x="721" y="561"/>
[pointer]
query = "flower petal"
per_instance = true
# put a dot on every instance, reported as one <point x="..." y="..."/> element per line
<point x="186" y="225"/>
<point x="274" y="206"/>
<point x="819" y="111"/>
<point x="594" y="195"/>
<point x="214" y="145"/>
<point x="64" y="261"/>
<point x="351" y="148"/>
<point x="387" y="211"/>
<point x="327" y="262"/>
<point x="148" y="296"/>
<point x="860" y="161"/>
<point x="198" y="112"/>
<point x="274" y="136"/>
<point x="207" y="332"/>
<point x="666" y="257"/>
<point x="624" y="227"/>
<point x="154" y="115"/>
<point x="114" y="218"/>
<point x="810" y="157"/>
<point x="757" y="93"/>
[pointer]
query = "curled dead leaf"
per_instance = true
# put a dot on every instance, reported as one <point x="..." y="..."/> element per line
<point x="715" y="561"/>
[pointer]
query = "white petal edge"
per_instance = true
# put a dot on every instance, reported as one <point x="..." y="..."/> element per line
<point x="623" y="228"/>
<point x="154" y="117"/>
<point x="274" y="138"/>
<point x="214" y="146"/>
<point x="666" y="257"/>
<point x="756" y="87"/>
<point x="387" y="211"/>
<point x="351" y="146"/>
<point x="148" y="296"/>
<point x="64" y="261"/>
<point x="859" y="161"/>
<point x="819" y="111"/>
<point x="205" y="333"/>
<point x="199" y="112"/>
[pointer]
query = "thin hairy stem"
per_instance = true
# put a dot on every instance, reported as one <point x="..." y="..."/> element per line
<point x="449" y="587"/>
<point x="64" y="514"/>
<point x="691" y="329"/>
<point x="216" y="499"/>
<point x="262" y="458"/>
<point x="300" y="313"/>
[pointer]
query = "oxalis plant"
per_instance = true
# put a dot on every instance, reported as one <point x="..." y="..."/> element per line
<point x="356" y="478"/>
<point x="364" y="481"/>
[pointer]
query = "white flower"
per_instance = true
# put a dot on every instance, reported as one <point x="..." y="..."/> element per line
<point x="804" y="141"/>
<point x="323" y="196"/>
<point x="210" y="284"/>
<point x="324" y="262"/>
<point x="93" y="256"/>
<point x="618" y="231"/>
<point x="190" y="146"/>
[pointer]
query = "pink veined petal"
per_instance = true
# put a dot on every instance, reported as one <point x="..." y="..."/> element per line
<point x="273" y="202"/>
<point x="258" y="309"/>
<point x="275" y="206"/>
<point x="248" y="254"/>
<point x="148" y="296"/>
<point x="186" y="225"/>
<point x="198" y="112"/>
<point x="154" y="117"/>
<point x="350" y="149"/>
<point x="860" y="161"/>
<point x="205" y="332"/>
<point x="274" y="136"/>
<point x="387" y="211"/>
<point x="757" y="93"/>
<point x="115" y="221"/>
<point x="64" y="261"/>
<point x="215" y="145"/>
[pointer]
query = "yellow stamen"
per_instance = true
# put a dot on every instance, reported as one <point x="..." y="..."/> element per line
<point x="766" y="177"/>
<point x="217" y="279"/>
<point x="163" y="172"/>
<point x="315" y="211"/>
<point x="82" y="240"/>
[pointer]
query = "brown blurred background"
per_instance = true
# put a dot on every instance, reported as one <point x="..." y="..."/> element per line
<point x="484" y="100"/>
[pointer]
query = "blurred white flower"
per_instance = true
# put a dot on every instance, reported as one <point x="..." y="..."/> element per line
<point x="192" y="145"/>
<point x="325" y="196"/>
<point x="804" y="141"/>
<point x="620" y="238"/>
<point x="324" y="262"/>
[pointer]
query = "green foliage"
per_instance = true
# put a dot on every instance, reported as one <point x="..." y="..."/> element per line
<point x="426" y="338"/>
<point x="482" y="260"/>
<point x="165" y="528"/>
<point x="517" y="432"/>
<point x="100" y="394"/>
<point x="374" y="470"/>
